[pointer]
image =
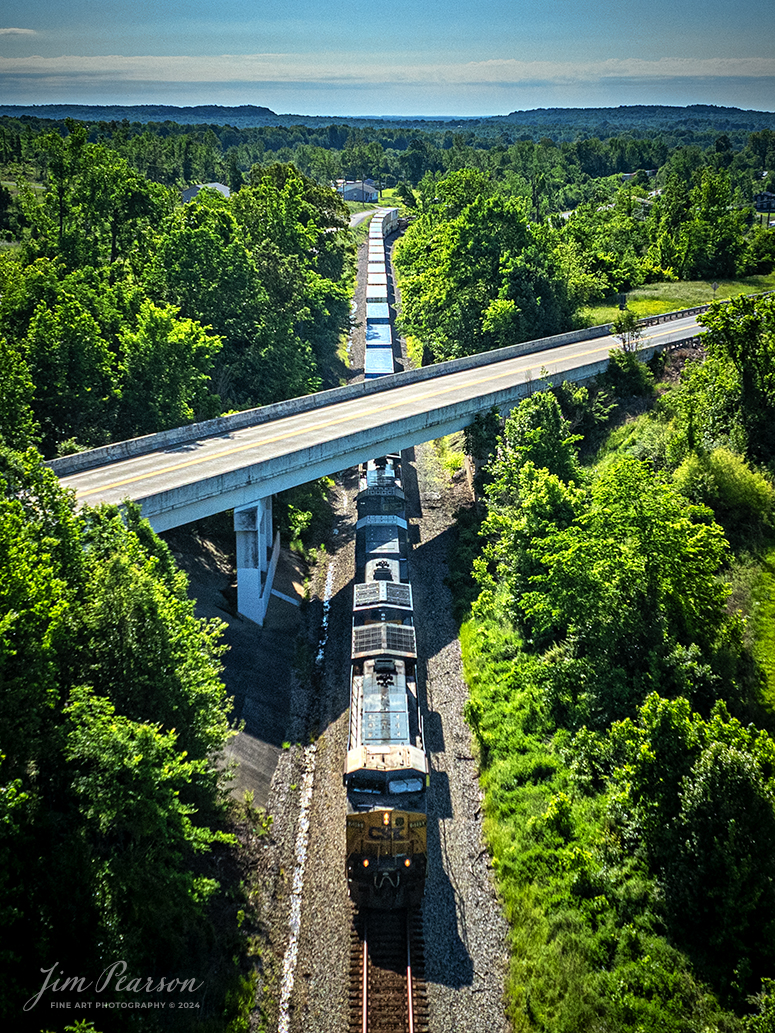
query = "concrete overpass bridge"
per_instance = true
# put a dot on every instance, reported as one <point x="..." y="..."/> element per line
<point x="240" y="461"/>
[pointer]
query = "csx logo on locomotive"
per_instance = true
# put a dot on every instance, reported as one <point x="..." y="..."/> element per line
<point x="380" y="832"/>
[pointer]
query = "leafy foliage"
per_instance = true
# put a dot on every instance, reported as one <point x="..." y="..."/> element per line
<point x="133" y="313"/>
<point x="626" y="375"/>
<point x="700" y="795"/>
<point x="742" y="333"/>
<point x="475" y="274"/>
<point x="111" y="716"/>
<point x="630" y="817"/>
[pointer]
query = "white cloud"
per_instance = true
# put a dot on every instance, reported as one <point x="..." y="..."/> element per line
<point x="17" y="32"/>
<point x="349" y="70"/>
<point x="666" y="67"/>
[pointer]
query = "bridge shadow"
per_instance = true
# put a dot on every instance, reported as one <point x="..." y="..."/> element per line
<point x="411" y="484"/>
<point x="434" y="733"/>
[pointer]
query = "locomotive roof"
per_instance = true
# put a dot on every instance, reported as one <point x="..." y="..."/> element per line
<point x="384" y="704"/>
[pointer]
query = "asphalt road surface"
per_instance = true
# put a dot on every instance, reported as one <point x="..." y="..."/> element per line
<point x="142" y="476"/>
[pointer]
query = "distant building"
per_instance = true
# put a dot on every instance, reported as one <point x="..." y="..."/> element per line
<point x="360" y="190"/>
<point x="764" y="202"/>
<point x="190" y="193"/>
<point x="627" y="176"/>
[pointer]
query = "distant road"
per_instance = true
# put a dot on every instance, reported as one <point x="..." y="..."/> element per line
<point x="360" y="217"/>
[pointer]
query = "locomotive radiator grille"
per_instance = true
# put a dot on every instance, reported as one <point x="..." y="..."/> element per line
<point x="389" y="592"/>
<point x="384" y="638"/>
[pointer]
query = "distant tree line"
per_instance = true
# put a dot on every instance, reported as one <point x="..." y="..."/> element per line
<point x="175" y="154"/>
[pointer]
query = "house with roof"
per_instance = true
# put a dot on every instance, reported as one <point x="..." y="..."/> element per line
<point x="190" y="192"/>
<point x="359" y="190"/>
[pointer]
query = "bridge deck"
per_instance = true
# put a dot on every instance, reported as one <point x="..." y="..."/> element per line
<point x="174" y="484"/>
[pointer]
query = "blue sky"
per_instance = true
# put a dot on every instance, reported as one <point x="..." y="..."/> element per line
<point x="361" y="58"/>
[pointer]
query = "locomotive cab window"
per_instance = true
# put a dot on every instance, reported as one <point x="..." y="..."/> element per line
<point x="367" y="782"/>
<point x="406" y="785"/>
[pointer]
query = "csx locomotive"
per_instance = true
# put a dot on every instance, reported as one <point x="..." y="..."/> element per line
<point x="386" y="770"/>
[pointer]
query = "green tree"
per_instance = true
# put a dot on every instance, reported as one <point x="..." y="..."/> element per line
<point x="629" y="598"/>
<point x="110" y="717"/>
<point x="165" y="372"/>
<point x="73" y="371"/>
<point x="626" y="327"/>
<point x="530" y="496"/>
<point x="18" y="428"/>
<point x="742" y="332"/>
<point x="699" y="233"/>
<point x="702" y="795"/>
<point x="96" y="209"/>
<point x="475" y="275"/>
<point x="742" y="499"/>
<point x="406" y="194"/>
<point x="203" y="266"/>
<point x="537" y="432"/>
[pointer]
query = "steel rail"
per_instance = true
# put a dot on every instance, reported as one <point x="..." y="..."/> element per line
<point x="365" y="999"/>
<point x="410" y="995"/>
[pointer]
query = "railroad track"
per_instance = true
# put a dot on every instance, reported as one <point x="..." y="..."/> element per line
<point x="387" y="973"/>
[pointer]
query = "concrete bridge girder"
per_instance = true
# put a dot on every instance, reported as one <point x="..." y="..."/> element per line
<point x="248" y="489"/>
<point x="258" y="546"/>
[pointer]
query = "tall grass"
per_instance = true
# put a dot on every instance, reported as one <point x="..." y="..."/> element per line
<point x="763" y="621"/>
<point x="656" y="298"/>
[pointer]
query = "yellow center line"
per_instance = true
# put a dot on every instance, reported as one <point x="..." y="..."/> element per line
<point x="211" y="456"/>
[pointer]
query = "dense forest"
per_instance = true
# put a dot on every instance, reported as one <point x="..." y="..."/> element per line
<point x="480" y="268"/>
<point x="619" y="651"/>
<point x="622" y="703"/>
<point x="124" y="311"/>
<point x="567" y="149"/>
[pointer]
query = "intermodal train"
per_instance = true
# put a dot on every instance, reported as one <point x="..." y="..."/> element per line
<point x="386" y="770"/>
<point x="378" y="360"/>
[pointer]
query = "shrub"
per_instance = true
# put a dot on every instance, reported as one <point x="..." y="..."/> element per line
<point x="626" y="375"/>
<point x="742" y="499"/>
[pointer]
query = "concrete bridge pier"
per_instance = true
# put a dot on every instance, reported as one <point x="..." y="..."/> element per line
<point x="258" y="549"/>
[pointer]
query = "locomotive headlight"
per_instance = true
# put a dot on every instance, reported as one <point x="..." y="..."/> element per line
<point x="365" y="862"/>
<point x="407" y="863"/>
<point x="386" y="818"/>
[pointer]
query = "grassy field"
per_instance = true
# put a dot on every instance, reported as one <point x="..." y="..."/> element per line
<point x="389" y="199"/>
<point x="360" y="206"/>
<point x="656" y="298"/>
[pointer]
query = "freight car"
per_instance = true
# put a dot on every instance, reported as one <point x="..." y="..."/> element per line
<point x="386" y="770"/>
<point x="378" y="358"/>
